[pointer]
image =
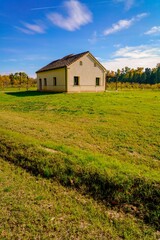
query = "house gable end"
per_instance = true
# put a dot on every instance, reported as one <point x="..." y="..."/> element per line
<point x="97" y="62"/>
<point x="91" y="58"/>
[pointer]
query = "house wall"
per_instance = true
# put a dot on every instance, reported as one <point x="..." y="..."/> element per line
<point x="87" y="74"/>
<point x="49" y="75"/>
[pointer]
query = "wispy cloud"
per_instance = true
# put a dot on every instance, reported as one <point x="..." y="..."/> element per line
<point x="94" y="38"/>
<point x="124" y="24"/>
<point x="35" y="57"/>
<point x="118" y="45"/>
<point x="78" y="15"/>
<point x="10" y="50"/>
<point x="153" y="31"/>
<point x="31" y="29"/>
<point x="24" y="30"/>
<point x="127" y="3"/>
<point x="10" y="60"/>
<point x="43" y="8"/>
<point x="133" y="57"/>
<point x="35" y="27"/>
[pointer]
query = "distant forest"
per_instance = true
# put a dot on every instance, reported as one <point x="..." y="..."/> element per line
<point x="19" y="80"/>
<point x="139" y="75"/>
<point x="124" y="78"/>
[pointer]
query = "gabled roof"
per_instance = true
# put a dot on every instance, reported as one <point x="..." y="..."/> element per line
<point x="63" y="62"/>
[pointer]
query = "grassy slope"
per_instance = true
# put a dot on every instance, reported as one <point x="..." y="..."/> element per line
<point x="36" y="208"/>
<point x="110" y="138"/>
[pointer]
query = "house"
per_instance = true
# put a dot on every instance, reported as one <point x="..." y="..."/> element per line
<point x="73" y="73"/>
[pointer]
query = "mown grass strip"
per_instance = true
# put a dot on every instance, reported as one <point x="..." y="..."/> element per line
<point x="128" y="193"/>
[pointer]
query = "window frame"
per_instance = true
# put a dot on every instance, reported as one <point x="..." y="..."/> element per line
<point x="54" y="81"/>
<point x="45" y="82"/>
<point x="98" y="79"/>
<point x="76" y="81"/>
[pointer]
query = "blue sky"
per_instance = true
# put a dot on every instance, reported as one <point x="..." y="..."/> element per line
<point x="118" y="32"/>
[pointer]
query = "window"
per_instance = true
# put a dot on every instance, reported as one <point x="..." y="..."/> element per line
<point x="45" y="81"/>
<point x="95" y="65"/>
<point x="97" y="81"/>
<point x="76" y="81"/>
<point x="80" y="63"/>
<point x="54" y="81"/>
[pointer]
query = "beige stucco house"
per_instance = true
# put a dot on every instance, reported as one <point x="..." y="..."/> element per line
<point x="73" y="73"/>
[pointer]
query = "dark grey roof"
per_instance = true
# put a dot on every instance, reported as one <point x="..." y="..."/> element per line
<point x="63" y="62"/>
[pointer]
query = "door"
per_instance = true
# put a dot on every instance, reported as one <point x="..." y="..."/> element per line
<point x="40" y="84"/>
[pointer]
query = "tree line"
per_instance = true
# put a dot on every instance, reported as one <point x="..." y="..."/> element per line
<point x="139" y="75"/>
<point x="18" y="79"/>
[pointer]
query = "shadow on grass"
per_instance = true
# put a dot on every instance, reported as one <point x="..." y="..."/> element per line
<point x="30" y="93"/>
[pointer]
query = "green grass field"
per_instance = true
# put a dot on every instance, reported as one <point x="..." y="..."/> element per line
<point x="103" y="148"/>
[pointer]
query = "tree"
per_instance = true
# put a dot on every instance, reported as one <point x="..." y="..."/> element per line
<point x="117" y="76"/>
<point x="110" y="76"/>
<point x="158" y="72"/>
<point x="11" y="77"/>
<point x="19" y="79"/>
<point x="148" y="75"/>
<point x="143" y="78"/>
<point x="4" y="81"/>
<point x="139" y="75"/>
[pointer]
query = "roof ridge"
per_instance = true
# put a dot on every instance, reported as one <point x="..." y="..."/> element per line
<point x="77" y="56"/>
<point x="63" y="62"/>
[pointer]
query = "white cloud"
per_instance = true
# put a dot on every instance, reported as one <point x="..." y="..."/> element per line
<point x="124" y="24"/>
<point x="78" y="15"/>
<point x="127" y="3"/>
<point x="138" y="52"/>
<point x="32" y="28"/>
<point x="133" y="57"/>
<point x="153" y="31"/>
